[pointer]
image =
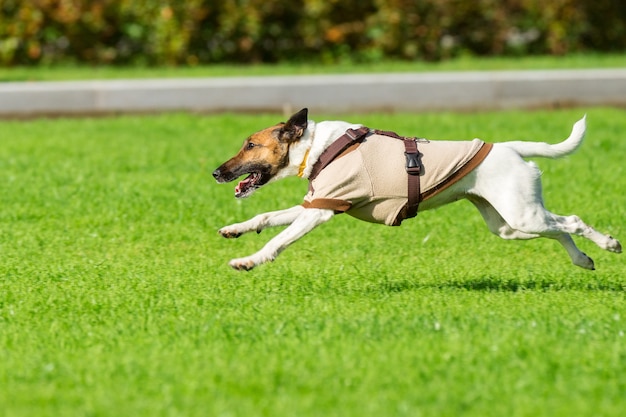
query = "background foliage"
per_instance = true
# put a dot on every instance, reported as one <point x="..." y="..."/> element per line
<point x="206" y="31"/>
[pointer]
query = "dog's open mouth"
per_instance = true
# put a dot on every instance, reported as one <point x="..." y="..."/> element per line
<point x="248" y="185"/>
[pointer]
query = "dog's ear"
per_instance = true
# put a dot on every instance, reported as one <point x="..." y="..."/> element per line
<point x="295" y="126"/>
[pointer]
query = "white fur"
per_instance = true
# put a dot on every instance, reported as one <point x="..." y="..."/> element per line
<point x="505" y="188"/>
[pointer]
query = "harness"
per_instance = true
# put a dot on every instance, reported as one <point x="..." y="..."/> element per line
<point x="353" y="137"/>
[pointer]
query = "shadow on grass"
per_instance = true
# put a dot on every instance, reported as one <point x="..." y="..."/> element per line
<point x="494" y="284"/>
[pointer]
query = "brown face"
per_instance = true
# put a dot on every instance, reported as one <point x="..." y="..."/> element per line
<point x="262" y="155"/>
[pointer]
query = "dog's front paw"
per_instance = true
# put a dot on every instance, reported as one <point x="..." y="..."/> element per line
<point x="242" y="264"/>
<point x="230" y="232"/>
<point x="249" y="262"/>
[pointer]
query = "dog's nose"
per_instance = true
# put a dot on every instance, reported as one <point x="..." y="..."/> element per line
<point x="217" y="173"/>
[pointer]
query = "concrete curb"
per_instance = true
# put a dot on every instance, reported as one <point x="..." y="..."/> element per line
<point x="327" y="93"/>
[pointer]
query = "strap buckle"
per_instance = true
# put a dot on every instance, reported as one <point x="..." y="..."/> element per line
<point x="412" y="163"/>
<point x="412" y="156"/>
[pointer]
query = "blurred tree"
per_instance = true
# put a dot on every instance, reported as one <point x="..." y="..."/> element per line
<point x="170" y="32"/>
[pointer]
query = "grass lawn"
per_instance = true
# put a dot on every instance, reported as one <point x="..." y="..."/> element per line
<point x="116" y="298"/>
<point x="468" y="63"/>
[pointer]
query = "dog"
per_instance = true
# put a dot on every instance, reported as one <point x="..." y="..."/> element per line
<point x="504" y="187"/>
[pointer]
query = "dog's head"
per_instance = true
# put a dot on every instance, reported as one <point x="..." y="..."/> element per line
<point x="262" y="155"/>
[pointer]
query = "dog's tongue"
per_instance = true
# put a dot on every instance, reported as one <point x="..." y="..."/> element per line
<point x="241" y="185"/>
<point x="245" y="185"/>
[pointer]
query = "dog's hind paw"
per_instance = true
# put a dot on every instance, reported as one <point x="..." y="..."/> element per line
<point x="614" y="245"/>
<point x="608" y="242"/>
<point x="584" y="261"/>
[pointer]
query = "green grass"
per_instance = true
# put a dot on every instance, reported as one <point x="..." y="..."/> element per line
<point x="116" y="298"/>
<point x="466" y="63"/>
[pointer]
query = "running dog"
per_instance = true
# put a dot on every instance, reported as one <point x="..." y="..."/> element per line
<point x="375" y="177"/>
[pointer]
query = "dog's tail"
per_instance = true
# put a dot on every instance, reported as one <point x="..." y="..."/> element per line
<point x="546" y="150"/>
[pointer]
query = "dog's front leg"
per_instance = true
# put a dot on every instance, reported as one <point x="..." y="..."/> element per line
<point x="261" y="221"/>
<point x="306" y="221"/>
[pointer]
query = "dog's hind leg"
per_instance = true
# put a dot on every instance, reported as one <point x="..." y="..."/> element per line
<point x="578" y="257"/>
<point x="574" y="225"/>
<point x="529" y="216"/>
<point x="514" y="205"/>
<point x="496" y="223"/>
<point x="499" y="227"/>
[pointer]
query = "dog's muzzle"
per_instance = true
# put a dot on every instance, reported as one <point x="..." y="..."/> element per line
<point x="223" y="174"/>
<point x="247" y="186"/>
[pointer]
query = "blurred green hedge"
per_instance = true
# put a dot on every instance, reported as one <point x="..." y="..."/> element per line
<point x="156" y="32"/>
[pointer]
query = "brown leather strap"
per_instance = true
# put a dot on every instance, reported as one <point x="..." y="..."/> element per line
<point x="388" y="133"/>
<point x="338" y="206"/>
<point x="413" y="170"/>
<point x="336" y="148"/>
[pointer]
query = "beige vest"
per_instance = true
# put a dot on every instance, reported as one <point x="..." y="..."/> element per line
<point x="370" y="183"/>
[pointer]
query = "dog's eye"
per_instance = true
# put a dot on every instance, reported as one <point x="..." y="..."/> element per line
<point x="250" y="145"/>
